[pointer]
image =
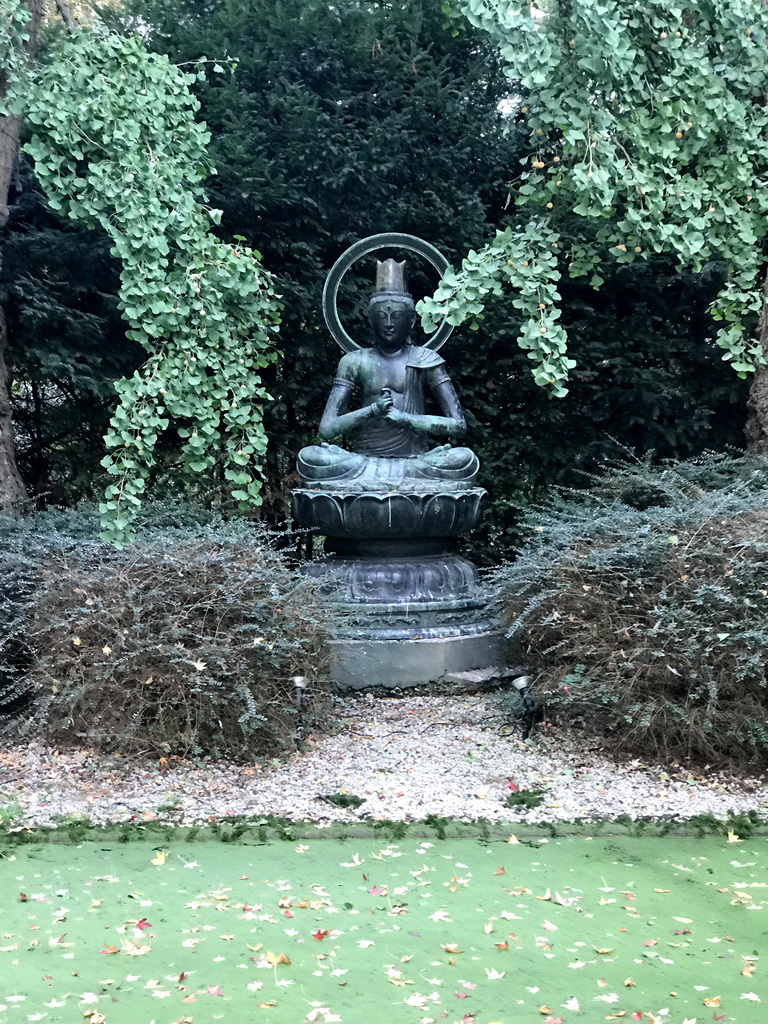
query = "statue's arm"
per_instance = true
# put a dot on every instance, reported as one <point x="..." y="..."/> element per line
<point x="452" y="423"/>
<point x="335" y="422"/>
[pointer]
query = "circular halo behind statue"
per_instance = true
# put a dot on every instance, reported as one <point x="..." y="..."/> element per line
<point x="387" y="240"/>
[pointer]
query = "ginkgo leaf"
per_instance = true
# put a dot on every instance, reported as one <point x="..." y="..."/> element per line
<point x="160" y="857"/>
<point x="732" y="837"/>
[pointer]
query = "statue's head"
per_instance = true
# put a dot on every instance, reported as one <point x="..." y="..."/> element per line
<point x="391" y="309"/>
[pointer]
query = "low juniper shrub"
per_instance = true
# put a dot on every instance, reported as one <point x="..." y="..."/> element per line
<point x="643" y="603"/>
<point x="184" y="642"/>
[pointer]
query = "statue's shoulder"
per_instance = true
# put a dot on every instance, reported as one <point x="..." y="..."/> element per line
<point x="424" y="358"/>
<point x="349" y="364"/>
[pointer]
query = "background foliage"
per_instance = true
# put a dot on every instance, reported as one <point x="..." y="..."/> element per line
<point x="324" y="132"/>
<point x="642" y="602"/>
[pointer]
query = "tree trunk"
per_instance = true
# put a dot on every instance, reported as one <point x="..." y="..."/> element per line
<point x="757" y="403"/>
<point x="12" y="488"/>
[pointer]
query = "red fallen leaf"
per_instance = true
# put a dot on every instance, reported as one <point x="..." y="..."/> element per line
<point x="215" y="990"/>
<point x="376" y="890"/>
<point x="683" y="931"/>
<point x="650" y="942"/>
<point x="183" y="976"/>
<point x="142" y="924"/>
<point x="22" y="897"/>
<point x="110" y="949"/>
<point x="288" y="913"/>
<point x="321" y="933"/>
<point x="511" y="784"/>
<point x="502" y="870"/>
<point x="461" y="995"/>
<point x="189" y="999"/>
<point x="637" y="1015"/>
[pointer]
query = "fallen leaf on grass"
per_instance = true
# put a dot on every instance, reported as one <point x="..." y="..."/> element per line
<point x="732" y="837"/>
<point x="712" y="1001"/>
<point x="278" y="958"/>
<point x="160" y="857"/>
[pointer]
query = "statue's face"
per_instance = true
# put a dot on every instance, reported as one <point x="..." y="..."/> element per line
<point x="391" y="322"/>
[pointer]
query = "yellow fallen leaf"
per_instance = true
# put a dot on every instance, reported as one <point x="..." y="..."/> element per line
<point x="267" y="1006"/>
<point x="160" y="857"/>
<point x="712" y="1001"/>
<point x="512" y="840"/>
<point x="732" y="837"/>
<point x="603" y="951"/>
<point x="628" y="983"/>
<point x="545" y="1011"/>
<point x="278" y="958"/>
<point x="452" y="948"/>
<point x="662" y="890"/>
<point x="748" y="970"/>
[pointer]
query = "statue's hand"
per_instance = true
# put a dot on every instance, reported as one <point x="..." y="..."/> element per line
<point x="383" y="404"/>
<point x="396" y="416"/>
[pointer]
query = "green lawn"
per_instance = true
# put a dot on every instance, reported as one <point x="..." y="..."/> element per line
<point x="364" y="931"/>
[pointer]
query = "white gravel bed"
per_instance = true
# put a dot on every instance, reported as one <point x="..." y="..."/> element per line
<point x="406" y="757"/>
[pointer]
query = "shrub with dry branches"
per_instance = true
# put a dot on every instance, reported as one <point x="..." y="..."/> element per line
<point x="184" y="642"/>
<point x="644" y="604"/>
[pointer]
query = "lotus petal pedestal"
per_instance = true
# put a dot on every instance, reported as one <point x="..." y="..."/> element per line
<point x="411" y="610"/>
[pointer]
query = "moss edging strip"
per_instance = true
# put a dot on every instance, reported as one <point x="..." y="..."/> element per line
<point x="261" y="830"/>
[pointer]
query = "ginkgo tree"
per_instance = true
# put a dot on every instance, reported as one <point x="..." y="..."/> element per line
<point x="115" y="143"/>
<point x="647" y="135"/>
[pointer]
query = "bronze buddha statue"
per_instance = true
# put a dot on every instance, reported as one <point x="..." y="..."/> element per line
<point x="389" y="433"/>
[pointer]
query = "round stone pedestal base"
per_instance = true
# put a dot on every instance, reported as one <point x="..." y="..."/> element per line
<point x="361" y="664"/>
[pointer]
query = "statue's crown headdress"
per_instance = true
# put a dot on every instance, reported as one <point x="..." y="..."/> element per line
<point x="390" y="283"/>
